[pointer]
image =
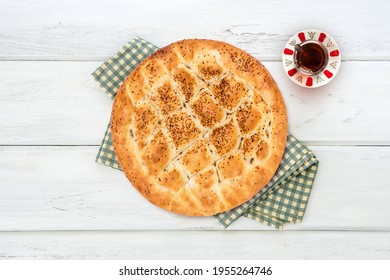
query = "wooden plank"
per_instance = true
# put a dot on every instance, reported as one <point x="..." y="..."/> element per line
<point x="58" y="103"/>
<point x="61" y="188"/>
<point x="95" y="30"/>
<point x="51" y="103"/>
<point x="194" y="245"/>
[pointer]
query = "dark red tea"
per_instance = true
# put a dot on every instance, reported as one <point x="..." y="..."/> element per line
<point x="311" y="57"/>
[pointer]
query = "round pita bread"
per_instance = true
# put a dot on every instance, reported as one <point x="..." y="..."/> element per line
<point x="199" y="127"/>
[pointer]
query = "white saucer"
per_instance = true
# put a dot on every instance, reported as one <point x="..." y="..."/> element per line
<point x="324" y="76"/>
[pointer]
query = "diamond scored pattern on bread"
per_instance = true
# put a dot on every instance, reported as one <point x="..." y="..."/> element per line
<point x="199" y="127"/>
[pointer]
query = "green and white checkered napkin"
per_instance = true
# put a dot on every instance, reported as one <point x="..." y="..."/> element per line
<point x="283" y="200"/>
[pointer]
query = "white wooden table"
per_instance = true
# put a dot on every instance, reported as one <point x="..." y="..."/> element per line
<point x="56" y="202"/>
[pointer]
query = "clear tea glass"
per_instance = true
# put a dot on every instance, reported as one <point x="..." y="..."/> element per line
<point x="311" y="57"/>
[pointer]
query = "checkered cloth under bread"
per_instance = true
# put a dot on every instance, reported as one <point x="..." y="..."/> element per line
<point x="283" y="200"/>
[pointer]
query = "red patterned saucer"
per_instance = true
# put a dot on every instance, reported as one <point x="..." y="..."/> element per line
<point x="321" y="78"/>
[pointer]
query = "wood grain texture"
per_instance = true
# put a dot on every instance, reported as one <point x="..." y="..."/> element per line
<point x="86" y="30"/>
<point x="61" y="188"/>
<point x="181" y="245"/>
<point x="51" y="103"/>
<point x="58" y="103"/>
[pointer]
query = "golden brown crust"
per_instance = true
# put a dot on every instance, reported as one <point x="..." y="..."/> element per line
<point x="199" y="127"/>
